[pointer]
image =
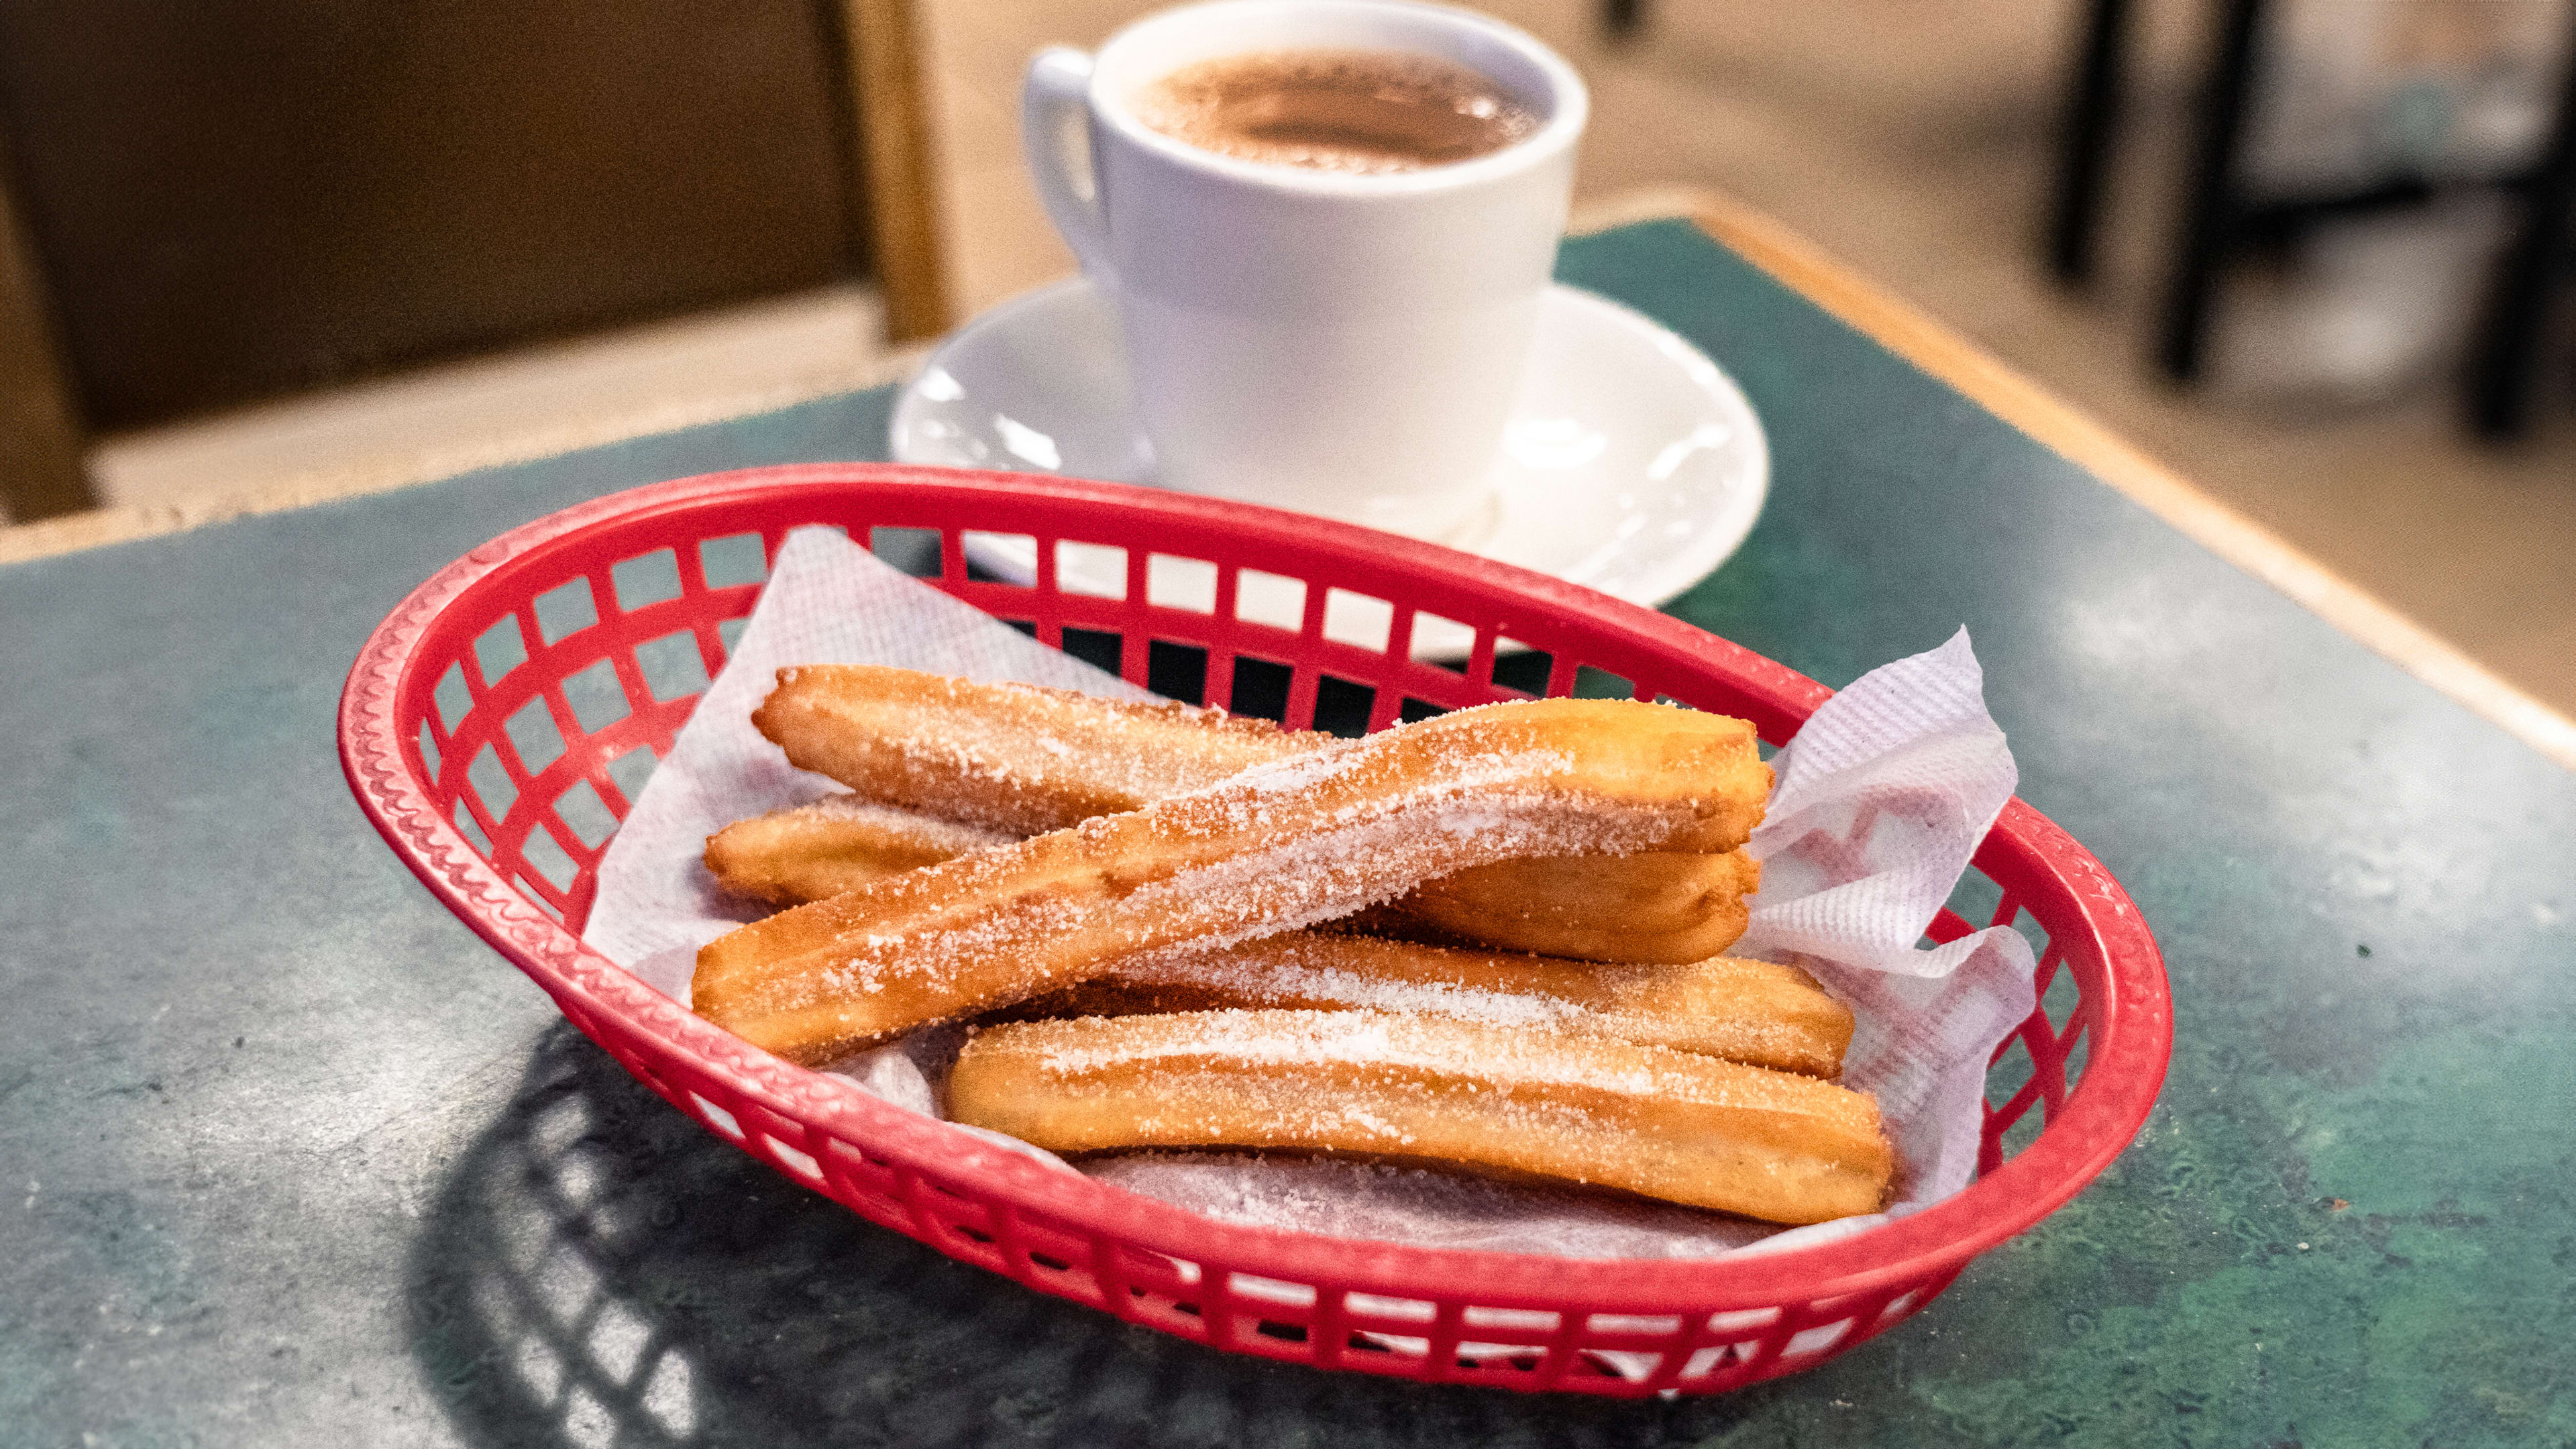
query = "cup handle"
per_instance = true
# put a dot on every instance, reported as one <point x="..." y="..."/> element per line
<point x="1057" y="89"/>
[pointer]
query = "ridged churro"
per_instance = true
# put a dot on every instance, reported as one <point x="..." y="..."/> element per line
<point x="838" y="843"/>
<point x="1669" y="906"/>
<point x="1754" y="1012"/>
<point x="1009" y="757"/>
<point x="1303" y="840"/>
<point x="1025" y="759"/>
<point x="1664" y="1124"/>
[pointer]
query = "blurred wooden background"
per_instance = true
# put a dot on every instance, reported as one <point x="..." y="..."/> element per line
<point x="234" y="200"/>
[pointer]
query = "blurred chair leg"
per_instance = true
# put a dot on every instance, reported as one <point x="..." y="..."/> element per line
<point x="898" y="189"/>
<point x="1623" y="18"/>
<point x="2508" y="347"/>
<point x="2210" y="207"/>
<point x="2092" y="111"/>
<point x="40" y="428"/>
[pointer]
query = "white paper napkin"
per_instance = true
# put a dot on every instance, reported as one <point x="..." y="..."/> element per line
<point x="829" y="601"/>
<point x="1880" y="800"/>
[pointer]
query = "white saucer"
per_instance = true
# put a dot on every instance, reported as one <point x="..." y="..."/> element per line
<point x="1632" y="463"/>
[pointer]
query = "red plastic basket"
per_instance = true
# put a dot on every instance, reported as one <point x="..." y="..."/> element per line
<point x="466" y="750"/>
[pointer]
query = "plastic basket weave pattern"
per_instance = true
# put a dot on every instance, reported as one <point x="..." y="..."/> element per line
<point x="496" y="724"/>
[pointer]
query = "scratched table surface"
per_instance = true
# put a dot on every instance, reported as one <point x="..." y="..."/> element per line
<point x="288" y="1157"/>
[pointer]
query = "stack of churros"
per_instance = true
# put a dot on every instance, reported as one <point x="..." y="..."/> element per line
<point x="1492" y="938"/>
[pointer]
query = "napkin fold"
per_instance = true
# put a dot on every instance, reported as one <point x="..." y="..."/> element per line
<point x="1879" y="802"/>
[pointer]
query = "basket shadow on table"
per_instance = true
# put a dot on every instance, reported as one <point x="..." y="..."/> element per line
<point x="598" y="1270"/>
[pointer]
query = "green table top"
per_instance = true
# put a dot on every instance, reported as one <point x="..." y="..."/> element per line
<point x="288" y="1157"/>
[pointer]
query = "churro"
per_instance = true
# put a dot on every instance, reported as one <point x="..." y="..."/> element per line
<point x="1025" y="759"/>
<point x="1669" y="906"/>
<point x="838" y="843"/>
<point x="1654" y="906"/>
<point x="1011" y="757"/>
<point x="1754" y="1012"/>
<point x="1665" y="1124"/>
<point x="1303" y="840"/>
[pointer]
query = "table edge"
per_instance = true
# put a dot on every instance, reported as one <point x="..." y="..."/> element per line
<point x="1915" y="335"/>
<point x="128" y="523"/>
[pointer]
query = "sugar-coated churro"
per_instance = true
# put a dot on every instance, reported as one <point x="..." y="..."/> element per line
<point x="1665" y="1124"/>
<point x="835" y="844"/>
<point x="1305" y="839"/>
<point x="1012" y="757"/>
<point x="1755" y="1012"/>
<point x="1669" y="906"/>
<point x="1024" y="759"/>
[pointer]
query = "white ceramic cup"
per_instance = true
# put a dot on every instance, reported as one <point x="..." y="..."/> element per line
<point x="1342" y="344"/>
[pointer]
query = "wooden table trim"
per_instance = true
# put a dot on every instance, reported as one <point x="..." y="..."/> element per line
<point x="1910" y="333"/>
